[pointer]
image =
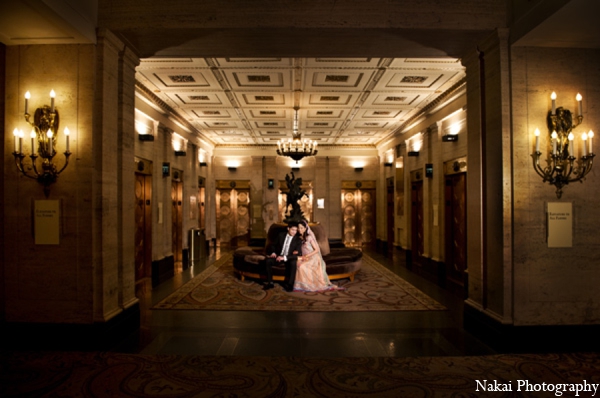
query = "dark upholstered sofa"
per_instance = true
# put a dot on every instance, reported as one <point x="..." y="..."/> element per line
<point x="341" y="262"/>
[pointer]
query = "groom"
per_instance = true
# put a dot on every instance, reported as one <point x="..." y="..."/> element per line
<point x="286" y="249"/>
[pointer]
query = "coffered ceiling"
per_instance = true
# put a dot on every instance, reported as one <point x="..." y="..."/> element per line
<point x="341" y="101"/>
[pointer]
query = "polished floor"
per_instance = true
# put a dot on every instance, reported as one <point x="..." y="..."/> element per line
<point x="302" y="334"/>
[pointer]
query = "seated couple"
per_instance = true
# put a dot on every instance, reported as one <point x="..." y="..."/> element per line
<point x="304" y="266"/>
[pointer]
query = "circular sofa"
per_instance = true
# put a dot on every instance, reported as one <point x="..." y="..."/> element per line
<point x="340" y="262"/>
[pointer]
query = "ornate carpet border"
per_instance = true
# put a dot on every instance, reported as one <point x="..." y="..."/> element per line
<point x="93" y="374"/>
<point x="288" y="302"/>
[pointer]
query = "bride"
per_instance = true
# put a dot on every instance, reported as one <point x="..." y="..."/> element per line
<point x="311" y="275"/>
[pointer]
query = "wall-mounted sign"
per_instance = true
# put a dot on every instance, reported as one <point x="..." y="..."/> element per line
<point x="320" y="203"/>
<point x="47" y="222"/>
<point x="560" y="224"/>
<point x="429" y="170"/>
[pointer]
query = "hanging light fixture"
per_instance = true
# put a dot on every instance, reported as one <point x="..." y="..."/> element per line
<point x="561" y="168"/>
<point x="295" y="147"/>
<point x="43" y="141"/>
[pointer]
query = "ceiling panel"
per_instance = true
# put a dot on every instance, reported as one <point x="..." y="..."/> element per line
<point x="251" y="101"/>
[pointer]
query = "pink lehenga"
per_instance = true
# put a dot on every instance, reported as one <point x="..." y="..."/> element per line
<point x="311" y="275"/>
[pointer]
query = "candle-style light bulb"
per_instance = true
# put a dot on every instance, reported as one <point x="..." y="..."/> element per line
<point x="21" y="135"/>
<point x="27" y="97"/>
<point x="52" y="95"/>
<point x="537" y="140"/>
<point x="50" y="146"/>
<point x="571" y="138"/>
<point x="67" y="133"/>
<point x="16" y="136"/>
<point x="590" y="136"/>
<point x="33" y="135"/>
<point x="554" y="137"/>
<point x="578" y="97"/>
<point x="553" y="97"/>
<point x="584" y="137"/>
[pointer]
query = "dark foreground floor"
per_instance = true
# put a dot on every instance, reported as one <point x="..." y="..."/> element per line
<point x="304" y="334"/>
<point x="181" y="353"/>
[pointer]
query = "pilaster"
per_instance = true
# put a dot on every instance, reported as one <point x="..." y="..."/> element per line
<point x="489" y="177"/>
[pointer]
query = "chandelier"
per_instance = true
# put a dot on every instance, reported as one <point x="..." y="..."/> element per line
<point x="295" y="147"/>
<point x="43" y="142"/>
<point x="563" y="167"/>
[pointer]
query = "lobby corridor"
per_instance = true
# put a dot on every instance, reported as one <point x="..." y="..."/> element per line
<point x="302" y="334"/>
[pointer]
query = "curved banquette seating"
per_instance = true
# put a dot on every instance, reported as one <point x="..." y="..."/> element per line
<point x="340" y="262"/>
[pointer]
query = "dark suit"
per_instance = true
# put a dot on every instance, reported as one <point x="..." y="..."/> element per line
<point x="294" y="251"/>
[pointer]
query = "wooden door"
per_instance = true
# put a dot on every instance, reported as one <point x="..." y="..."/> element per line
<point x="177" y="217"/>
<point x="456" y="228"/>
<point x="201" y="207"/>
<point x="417" y="234"/>
<point x="143" y="226"/>
<point x="358" y="210"/>
<point x="233" y="217"/>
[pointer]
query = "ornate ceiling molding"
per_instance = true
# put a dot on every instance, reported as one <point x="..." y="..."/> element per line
<point x="169" y="111"/>
<point x="458" y="86"/>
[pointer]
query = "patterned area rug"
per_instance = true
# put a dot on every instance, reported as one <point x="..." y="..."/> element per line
<point x="130" y="375"/>
<point x="375" y="288"/>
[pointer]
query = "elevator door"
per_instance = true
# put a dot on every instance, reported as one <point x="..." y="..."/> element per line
<point x="417" y="235"/>
<point x="177" y="219"/>
<point x="456" y="228"/>
<point x="233" y="217"/>
<point x="201" y="214"/>
<point x="358" y="209"/>
<point x="143" y="226"/>
<point x="390" y="213"/>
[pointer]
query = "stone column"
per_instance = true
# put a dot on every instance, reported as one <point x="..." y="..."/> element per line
<point x="113" y="182"/>
<point x="128" y="61"/>
<point x="489" y="178"/>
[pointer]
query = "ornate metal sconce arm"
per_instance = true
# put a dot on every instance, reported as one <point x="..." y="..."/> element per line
<point x="562" y="167"/>
<point x="44" y="126"/>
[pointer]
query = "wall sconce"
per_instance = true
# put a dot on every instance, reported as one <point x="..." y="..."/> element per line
<point x="145" y="137"/>
<point x="450" y="138"/>
<point x="389" y="158"/>
<point x="271" y="183"/>
<point x="358" y="169"/>
<point x="202" y="157"/>
<point x="561" y="169"/>
<point x="414" y="144"/>
<point x="296" y="169"/>
<point x="232" y="169"/>
<point x="180" y="153"/>
<point x="43" y="142"/>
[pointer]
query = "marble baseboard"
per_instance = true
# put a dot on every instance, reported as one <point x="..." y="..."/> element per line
<point x="62" y="336"/>
<point x="532" y="339"/>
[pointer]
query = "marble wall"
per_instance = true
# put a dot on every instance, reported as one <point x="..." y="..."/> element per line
<point x="88" y="276"/>
<point x="554" y="285"/>
<point x="427" y="136"/>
